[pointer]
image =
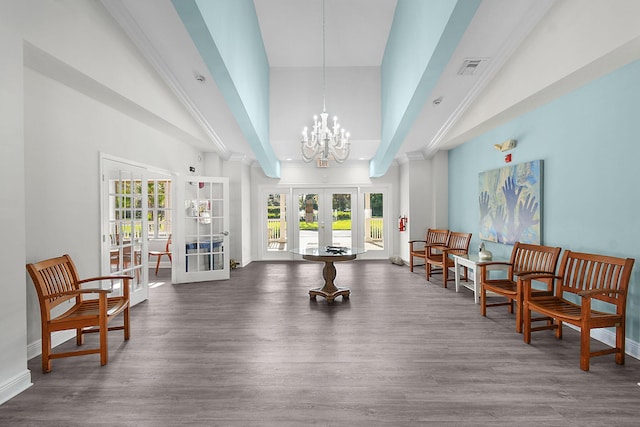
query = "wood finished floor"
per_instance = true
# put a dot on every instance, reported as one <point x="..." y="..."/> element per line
<point x="255" y="351"/>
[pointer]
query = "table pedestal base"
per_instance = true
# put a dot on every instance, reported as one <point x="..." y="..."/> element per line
<point x="330" y="296"/>
<point x="329" y="291"/>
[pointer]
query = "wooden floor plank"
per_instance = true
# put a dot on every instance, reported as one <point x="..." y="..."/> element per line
<point x="256" y="351"/>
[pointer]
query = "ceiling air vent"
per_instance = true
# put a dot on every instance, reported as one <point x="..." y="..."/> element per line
<point x="471" y="66"/>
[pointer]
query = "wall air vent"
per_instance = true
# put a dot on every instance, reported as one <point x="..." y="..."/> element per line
<point x="472" y="66"/>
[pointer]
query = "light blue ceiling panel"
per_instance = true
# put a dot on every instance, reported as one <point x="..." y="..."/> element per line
<point x="423" y="36"/>
<point x="227" y="35"/>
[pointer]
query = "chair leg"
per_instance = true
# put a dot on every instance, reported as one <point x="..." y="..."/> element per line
<point x="158" y="264"/>
<point x="620" y="344"/>
<point x="526" y="334"/>
<point x="410" y="263"/>
<point x="585" y="348"/>
<point x="445" y="273"/>
<point x="46" y="350"/>
<point x="559" y="329"/>
<point x="518" y="314"/>
<point x="104" y="330"/>
<point x="127" y="331"/>
<point x="483" y="301"/>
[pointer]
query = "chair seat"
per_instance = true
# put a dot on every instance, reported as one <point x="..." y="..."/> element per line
<point x="564" y="310"/>
<point x="90" y="309"/>
<point x="503" y="287"/>
<point x="159" y="253"/>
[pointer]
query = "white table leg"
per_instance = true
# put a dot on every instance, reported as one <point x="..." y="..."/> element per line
<point x="476" y="285"/>
<point x="457" y="267"/>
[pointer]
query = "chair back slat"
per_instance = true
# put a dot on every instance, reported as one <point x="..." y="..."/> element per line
<point x="459" y="243"/>
<point x="527" y="257"/>
<point x="437" y="237"/>
<point x="582" y="272"/>
<point x="51" y="277"/>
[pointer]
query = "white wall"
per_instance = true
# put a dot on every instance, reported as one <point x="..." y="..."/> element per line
<point x="14" y="376"/>
<point x="423" y="198"/>
<point x="85" y="90"/>
<point x="241" y="237"/>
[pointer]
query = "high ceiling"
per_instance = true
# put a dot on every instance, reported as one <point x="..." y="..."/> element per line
<point x="356" y="37"/>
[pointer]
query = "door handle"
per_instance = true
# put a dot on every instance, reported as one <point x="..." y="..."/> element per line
<point x="225" y="233"/>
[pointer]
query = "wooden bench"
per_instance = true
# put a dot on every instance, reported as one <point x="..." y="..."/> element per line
<point x="56" y="281"/>
<point x="583" y="278"/>
<point x="525" y="259"/>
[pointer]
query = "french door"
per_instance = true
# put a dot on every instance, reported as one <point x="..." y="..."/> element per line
<point x="201" y="237"/>
<point x="325" y="217"/>
<point x="124" y="226"/>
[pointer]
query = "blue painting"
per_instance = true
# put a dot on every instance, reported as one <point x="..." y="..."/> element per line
<point x="511" y="203"/>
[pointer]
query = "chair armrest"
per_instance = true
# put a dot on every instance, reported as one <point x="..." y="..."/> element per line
<point x="78" y="292"/>
<point x="588" y="293"/>
<point x="125" y="289"/>
<point x="417" y="241"/>
<point x="529" y="276"/>
<point x="487" y="263"/>
<point x="95" y="279"/>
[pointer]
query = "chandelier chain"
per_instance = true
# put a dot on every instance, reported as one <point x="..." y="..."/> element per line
<point x="325" y="141"/>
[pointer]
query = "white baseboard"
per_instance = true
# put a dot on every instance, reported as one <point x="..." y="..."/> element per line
<point x="15" y="386"/>
<point x="608" y="337"/>
<point x="35" y="348"/>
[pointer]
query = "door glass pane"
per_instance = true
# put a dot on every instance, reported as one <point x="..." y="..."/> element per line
<point x="341" y="219"/>
<point x="308" y="220"/>
<point x="159" y="205"/>
<point x="204" y="222"/>
<point x="277" y="222"/>
<point x="373" y="221"/>
<point x="125" y="227"/>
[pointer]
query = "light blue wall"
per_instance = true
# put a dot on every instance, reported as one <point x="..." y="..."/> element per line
<point x="590" y="143"/>
<point x="227" y="35"/>
<point x="422" y="39"/>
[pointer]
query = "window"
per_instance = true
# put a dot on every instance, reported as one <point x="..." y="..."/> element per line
<point x="159" y="208"/>
<point x="276" y="222"/>
<point x="373" y="221"/>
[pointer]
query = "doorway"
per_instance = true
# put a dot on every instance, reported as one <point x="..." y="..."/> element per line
<point x="325" y="217"/>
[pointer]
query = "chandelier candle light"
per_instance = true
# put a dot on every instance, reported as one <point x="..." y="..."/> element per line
<point x="325" y="141"/>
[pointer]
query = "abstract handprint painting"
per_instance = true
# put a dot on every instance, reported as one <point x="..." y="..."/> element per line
<point x="511" y="203"/>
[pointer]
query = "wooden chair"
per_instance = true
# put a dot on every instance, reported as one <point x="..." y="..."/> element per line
<point x="585" y="277"/>
<point x="56" y="282"/>
<point x="160" y="254"/>
<point x="525" y="259"/>
<point x="417" y="248"/>
<point x="438" y="256"/>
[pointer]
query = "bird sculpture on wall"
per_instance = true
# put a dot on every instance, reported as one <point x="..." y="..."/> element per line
<point x="509" y="144"/>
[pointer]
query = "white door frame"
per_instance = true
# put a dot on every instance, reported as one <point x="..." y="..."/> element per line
<point x="201" y="229"/>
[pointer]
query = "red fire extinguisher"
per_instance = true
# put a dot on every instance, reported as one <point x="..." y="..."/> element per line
<point x="402" y="223"/>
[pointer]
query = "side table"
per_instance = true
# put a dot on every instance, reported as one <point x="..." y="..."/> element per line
<point x="472" y="261"/>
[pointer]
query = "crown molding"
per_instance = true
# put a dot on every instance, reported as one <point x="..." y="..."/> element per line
<point x="130" y="26"/>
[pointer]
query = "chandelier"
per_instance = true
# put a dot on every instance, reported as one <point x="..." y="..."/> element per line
<point x="325" y="141"/>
